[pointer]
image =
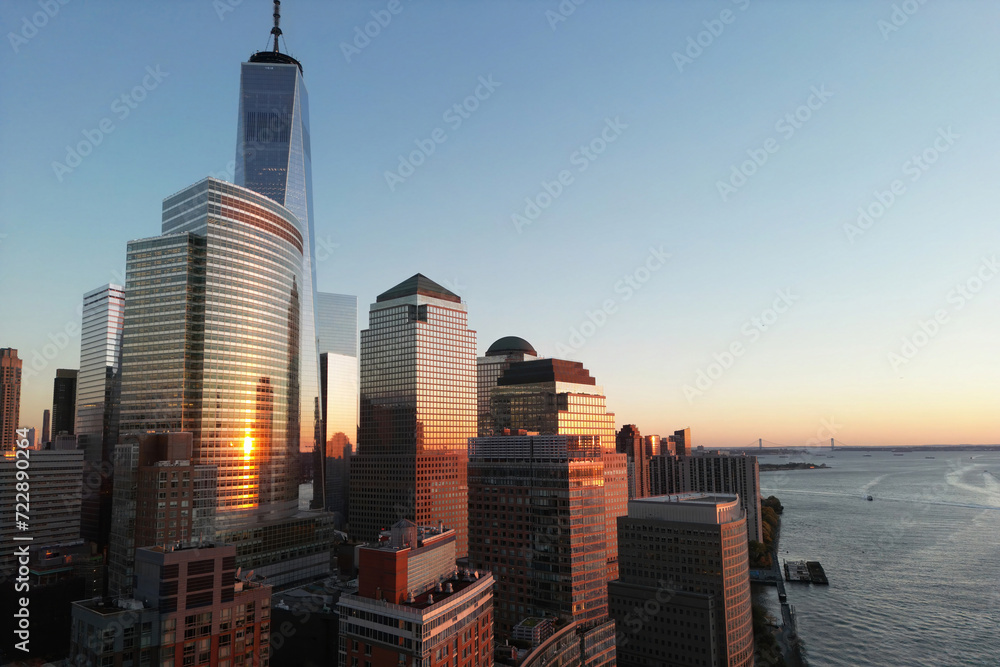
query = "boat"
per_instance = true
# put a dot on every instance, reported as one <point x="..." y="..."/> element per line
<point x="868" y="456"/>
<point x="928" y="457"/>
<point x="869" y="498"/>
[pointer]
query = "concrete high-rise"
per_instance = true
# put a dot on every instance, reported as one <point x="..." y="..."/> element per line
<point x="274" y="159"/>
<point x="557" y="397"/>
<point x="712" y="473"/>
<point x="160" y="498"/>
<point x="337" y="329"/>
<point x="498" y="358"/>
<point x="46" y="423"/>
<point x="414" y="606"/>
<point x="56" y="479"/>
<point x="10" y="397"/>
<point x="683" y="596"/>
<point x="190" y="608"/>
<point x="418" y="410"/>
<point x="98" y="392"/>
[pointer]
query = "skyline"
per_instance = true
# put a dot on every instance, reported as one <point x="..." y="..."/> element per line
<point x="826" y="360"/>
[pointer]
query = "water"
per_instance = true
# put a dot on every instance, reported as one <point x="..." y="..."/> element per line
<point x="914" y="575"/>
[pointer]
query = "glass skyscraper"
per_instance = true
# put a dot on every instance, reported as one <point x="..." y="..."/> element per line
<point x="418" y="410"/>
<point x="337" y="333"/>
<point x="211" y="342"/>
<point x="97" y="396"/>
<point x="273" y="158"/>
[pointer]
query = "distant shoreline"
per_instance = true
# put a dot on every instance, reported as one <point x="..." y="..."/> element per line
<point x="798" y="465"/>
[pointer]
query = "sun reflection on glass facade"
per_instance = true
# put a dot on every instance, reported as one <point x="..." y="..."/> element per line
<point x="418" y="409"/>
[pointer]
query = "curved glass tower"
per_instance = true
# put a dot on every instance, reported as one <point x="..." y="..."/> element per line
<point x="273" y="158"/>
<point x="211" y="342"/>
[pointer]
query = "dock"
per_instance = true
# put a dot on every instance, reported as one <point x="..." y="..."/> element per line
<point x="805" y="572"/>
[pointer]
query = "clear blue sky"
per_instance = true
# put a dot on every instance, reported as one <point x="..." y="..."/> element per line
<point x="885" y="95"/>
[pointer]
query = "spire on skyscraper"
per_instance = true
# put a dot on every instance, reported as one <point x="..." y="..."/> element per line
<point x="274" y="55"/>
<point x="276" y="30"/>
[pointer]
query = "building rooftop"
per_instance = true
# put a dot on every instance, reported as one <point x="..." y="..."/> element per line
<point x="546" y="370"/>
<point x="399" y="536"/>
<point x="418" y="284"/>
<point x="510" y="344"/>
<point x="443" y="590"/>
<point x="693" y="507"/>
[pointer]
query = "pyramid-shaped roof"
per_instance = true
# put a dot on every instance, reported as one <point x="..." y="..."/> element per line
<point x="418" y="284"/>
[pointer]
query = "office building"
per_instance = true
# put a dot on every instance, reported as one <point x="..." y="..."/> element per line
<point x="498" y="358"/>
<point x="56" y="479"/>
<point x="680" y="442"/>
<point x="684" y="556"/>
<point x="190" y="608"/>
<point x="414" y="606"/>
<point x="98" y="392"/>
<point x="46" y="422"/>
<point x="574" y="645"/>
<point x="557" y="397"/>
<point x="654" y="445"/>
<point x="274" y="159"/>
<point x="160" y="498"/>
<point x="537" y="522"/>
<point x="10" y="398"/>
<point x="210" y="348"/>
<point x="337" y="329"/>
<point x="64" y="401"/>
<point x="712" y="473"/>
<point x="418" y="410"/>
<point x="629" y="441"/>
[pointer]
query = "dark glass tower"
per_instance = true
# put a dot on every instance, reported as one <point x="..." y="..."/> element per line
<point x="64" y="401"/>
<point x="273" y="159"/>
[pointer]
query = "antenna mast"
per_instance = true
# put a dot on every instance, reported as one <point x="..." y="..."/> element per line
<point x="276" y="30"/>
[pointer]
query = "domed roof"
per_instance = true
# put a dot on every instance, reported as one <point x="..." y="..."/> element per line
<point x="509" y="344"/>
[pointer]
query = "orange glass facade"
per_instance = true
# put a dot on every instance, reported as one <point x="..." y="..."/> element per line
<point x="418" y="409"/>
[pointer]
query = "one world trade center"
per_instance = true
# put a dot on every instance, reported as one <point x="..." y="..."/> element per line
<point x="273" y="158"/>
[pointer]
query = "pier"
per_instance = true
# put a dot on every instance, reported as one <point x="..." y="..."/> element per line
<point x="805" y="572"/>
